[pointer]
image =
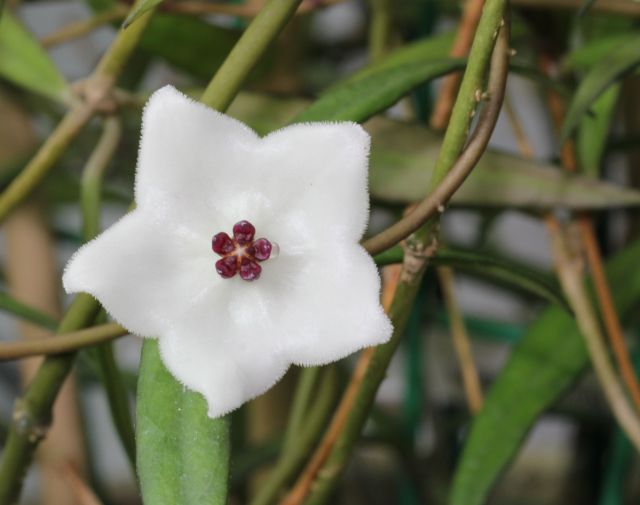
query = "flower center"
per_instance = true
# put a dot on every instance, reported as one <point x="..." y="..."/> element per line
<point x="241" y="253"/>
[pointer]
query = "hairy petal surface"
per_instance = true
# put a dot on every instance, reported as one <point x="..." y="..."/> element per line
<point x="304" y="188"/>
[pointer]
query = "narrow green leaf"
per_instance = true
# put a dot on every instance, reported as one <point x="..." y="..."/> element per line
<point x="25" y="63"/>
<point x="504" y="272"/>
<point x="358" y="100"/>
<point x="594" y="51"/>
<point x="616" y="63"/>
<point x="13" y="306"/>
<point x="403" y="155"/>
<point x="182" y="455"/>
<point x="117" y="397"/>
<point x="143" y="6"/>
<point x="429" y="49"/>
<point x="541" y="368"/>
<point x="593" y="131"/>
<point x="492" y="268"/>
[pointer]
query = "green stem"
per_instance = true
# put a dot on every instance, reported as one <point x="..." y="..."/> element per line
<point x="67" y="343"/>
<point x="379" y="29"/>
<point x="301" y="401"/>
<point x="424" y="242"/>
<point x="247" y="52"/>
<point x="32" y="412"/>
<point x="92" y="175"/>
<point x="471" y="89"/>
<point x="98" y="87"/>
<point x="90" y="200"/>
<point x="292" y="457"/>
<point x="406" y="293"/>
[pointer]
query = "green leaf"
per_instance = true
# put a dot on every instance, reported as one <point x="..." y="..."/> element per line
<point x="616" y="63"/>
<point x="540" y="370"/>
<point x="183" y="455"/>
<point x="585" y="57"/>
<point x="403" y="155"/>
<point x="357" y="100"/>
<point x="504" y="272"/>
<point x="142" y="7"/>
<point x="25" y="63"/>
<point x="593" y="132"/>
<point x="492" y="268"/>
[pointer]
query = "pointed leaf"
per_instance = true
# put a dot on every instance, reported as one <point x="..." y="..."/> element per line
<point x="619" y="61"/>
<point x="142" y="7"/>
<point x="183" y="455"/>
<point x="403" y="155"/>
<point x="488" y="267"/>
<point x="25" y="63"/>
<point x="358" y="100"/>
<point x="540" y="370"/>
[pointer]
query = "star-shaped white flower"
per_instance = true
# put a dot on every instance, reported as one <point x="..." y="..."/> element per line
<point x="199" y="173"/>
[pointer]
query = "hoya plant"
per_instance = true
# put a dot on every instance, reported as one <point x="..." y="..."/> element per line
<point x="251" y="254"/>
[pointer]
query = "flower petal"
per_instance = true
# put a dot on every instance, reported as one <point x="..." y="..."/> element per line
<point x="316" y="173"/>
<point x="224" y="356"/>
<point x="192" y="164"/>
<point x="144" y="274"/>
<point x="341" y="312"/>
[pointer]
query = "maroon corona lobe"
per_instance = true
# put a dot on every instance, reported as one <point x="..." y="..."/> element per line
<point x="240" y="253"/>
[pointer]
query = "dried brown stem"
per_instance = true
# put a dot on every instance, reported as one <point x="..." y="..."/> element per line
<point x="594" y="259"/>
<point x="461" y="342"/>
<point x="569" y="266"/>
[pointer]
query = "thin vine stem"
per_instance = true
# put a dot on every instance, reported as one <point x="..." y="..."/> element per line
<point x="96" y="94"/>
<point x="435" y="200"/>
<point x="32" y="412"/>
<point x="464" y="37"/>
<point x="90" y="203"/>
<point x="61" y="344"/>
<point x="83" y="27"/>
<point x="326" y="464"/>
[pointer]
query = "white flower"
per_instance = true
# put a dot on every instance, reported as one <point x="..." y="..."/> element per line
<point x="200" y="173"/>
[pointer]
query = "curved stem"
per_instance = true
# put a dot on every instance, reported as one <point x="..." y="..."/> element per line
<point x="293" y="456"/>
<point x="322" y="471"/>
<point x="569" y="268"/>
<point x="90" y="200"/>
<point x="435" y="201"/>
<point x="61" y="344"/>
<point x="91" y="183"/>
<point x="32" y="412"/>
<point x="98" y="88"/>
